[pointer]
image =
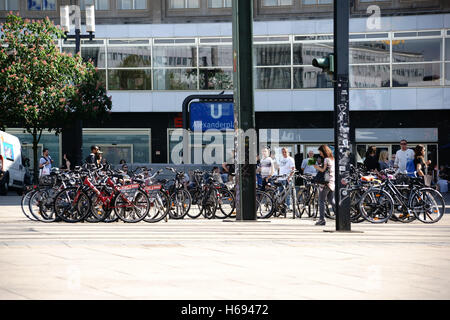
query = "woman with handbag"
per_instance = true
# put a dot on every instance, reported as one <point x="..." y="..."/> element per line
<point x="325" y="177"/>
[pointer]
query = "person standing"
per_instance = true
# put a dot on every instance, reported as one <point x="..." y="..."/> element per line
<point x="66" y="162"/>
<point x="383" y="160"/>
<point x="92" y="158"/>
<point x="228" y="168"/>
<point x="419" y="161"/>
<point x="308" y="164"/>
<point x="45" y="163"/>
<point x="287" y="167"/>
<point x="326" y="191"/>
<point x="267" y="167"/>
<point x="371" y="162"/>
<point x="402" y="156"/>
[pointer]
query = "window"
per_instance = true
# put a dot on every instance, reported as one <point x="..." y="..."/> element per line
<point x="99" y="4"/>
<point x="219" y="3"/>
<point x="41" y="4"/>
<point x="9" y="5"/>
<point x="131" y="4"/>
<point x="184" y="4"/>
<point x="313" y="2"/>
<point x="276" y="3"/>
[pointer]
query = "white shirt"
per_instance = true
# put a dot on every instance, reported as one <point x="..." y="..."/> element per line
<point x="286" y="165"/>
<point x="401" y="158"/>
<point x="267" y="167"/>
<point x="308" y="169"/>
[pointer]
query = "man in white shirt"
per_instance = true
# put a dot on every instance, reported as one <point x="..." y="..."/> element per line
<point x="287" y="167"/>
<point x="309" y="168"/>
<point x="45" y="163"/>
<point x="402" y="156"/>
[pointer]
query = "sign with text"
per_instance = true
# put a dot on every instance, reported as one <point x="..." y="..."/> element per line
<point x="204" y="116"/>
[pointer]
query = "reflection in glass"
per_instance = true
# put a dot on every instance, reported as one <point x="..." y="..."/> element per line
<point x="416" y="50"/>
<point x="447" y="49"/>
<point x="273" y="78"/>
<point x="370" y="76"/>
<point x="216" y="79"/>
<point x="304" y="53"/>
<point x="129" y="79"/>
<point x="9" y="5"/>
<point x="96" y="54"/>
<point x="311" y="77"/>
<point x="369" y="51"/>
<point x="219" y="3"/>
<point x="416" y="75"/>
<point x="99" y="4"/>
<point x="272" y="54"/>
<point x="175" y="79"/>
<point x="179" y="4"/>
<point x="447" y="74"/>
<point x="68" y="50"/>
<point x="102" y="73"/>
<point x="125" y="57"/>
<point x="215" y="56"/>
<point x="175" y="56"/>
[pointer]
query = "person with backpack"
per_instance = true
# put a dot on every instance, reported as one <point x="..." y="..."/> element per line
<point x="402" y="156"/>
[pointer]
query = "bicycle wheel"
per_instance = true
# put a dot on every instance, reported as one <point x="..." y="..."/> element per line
<point x="25" y="205"/>
<point x="41" y="206"/>
<point x="209" y="204"/>
<point x="428" y="205"/>
<point x="72" y="205"/>
<point x="355" y="214"/>
<point x="226" y="203"/>
<point x="195" y="210"/>
<point x="376" y="205"/>
<point x="180" y="203"/>
<point x="132" y="208"/>
<point x="264" y="205"/>
<point x="159" y="206"/>
<point x="99" y="210"/>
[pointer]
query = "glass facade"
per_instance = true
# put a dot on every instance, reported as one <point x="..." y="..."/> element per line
<point x="41" y="4"/>
<point x="377" y="60"/>
<point x="131" y="4"/>
<point x="99" y="4"/>
<point x="131" y="145"/>
<point x="9" y="5"/>
<point x="219" y="3"/>
<point x="184" y="4"/>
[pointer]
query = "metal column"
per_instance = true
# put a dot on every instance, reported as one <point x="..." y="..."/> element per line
<point x="244" y="113"/>
<point x="341" y="112"/>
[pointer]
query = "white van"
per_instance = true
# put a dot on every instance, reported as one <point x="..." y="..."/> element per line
<point x="12" y="172"/>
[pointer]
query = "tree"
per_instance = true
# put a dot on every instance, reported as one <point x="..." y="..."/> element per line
<point x="42" y="88"/>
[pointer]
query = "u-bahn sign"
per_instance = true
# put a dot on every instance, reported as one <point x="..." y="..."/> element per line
<point x="204" y="116"/>
<point x="206" y="112"/>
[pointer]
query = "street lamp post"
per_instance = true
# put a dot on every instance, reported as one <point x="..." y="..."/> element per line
<point x="72" y="137"/>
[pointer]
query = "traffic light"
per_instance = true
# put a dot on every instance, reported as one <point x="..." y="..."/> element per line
<point x="325" y="63"/>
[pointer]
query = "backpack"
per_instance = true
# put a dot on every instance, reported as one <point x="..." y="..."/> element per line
<point x="410" y="168"/>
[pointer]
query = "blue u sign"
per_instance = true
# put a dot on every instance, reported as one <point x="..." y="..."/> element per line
<point x="211" y="115"/>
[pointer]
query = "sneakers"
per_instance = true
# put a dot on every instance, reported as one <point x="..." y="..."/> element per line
<point x="320" y="223"/>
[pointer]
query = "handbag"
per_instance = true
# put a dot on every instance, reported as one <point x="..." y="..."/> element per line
<point x="322" y="177"/>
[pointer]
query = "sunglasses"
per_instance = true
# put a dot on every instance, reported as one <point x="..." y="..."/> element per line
<point x="403" y="144"/>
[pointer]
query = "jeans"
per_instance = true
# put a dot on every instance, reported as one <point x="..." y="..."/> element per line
<point x="324" y="194"/>
<point x="224" y="177"/>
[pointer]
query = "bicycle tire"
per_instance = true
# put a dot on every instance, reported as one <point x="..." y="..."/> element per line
<point x="264" y="205"/>
<point x="69" y="211"/>
<point x="226" y="204"/>
<point x="429" y="203"/>
<point x="209" y="204"/>
<point x="160" y="204"/>
<point x="40" y="206"/>
<point x="376" y="205"/>
<point x="134" y="212"/>
<point x="180" y="203"/>
<point x="24" y="204"/>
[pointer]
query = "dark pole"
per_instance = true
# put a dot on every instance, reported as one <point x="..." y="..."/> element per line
<point x="72" y="136"/>
<point x="342" y="144"/>
<point x="244" y="113"/>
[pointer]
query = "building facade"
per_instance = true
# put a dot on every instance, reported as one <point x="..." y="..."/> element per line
<point x="153" y="54"/>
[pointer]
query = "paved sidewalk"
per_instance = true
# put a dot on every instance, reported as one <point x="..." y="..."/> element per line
<point x="211" y="259"/>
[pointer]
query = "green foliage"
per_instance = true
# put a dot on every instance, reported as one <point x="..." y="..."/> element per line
<point x="42" y="88"/>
